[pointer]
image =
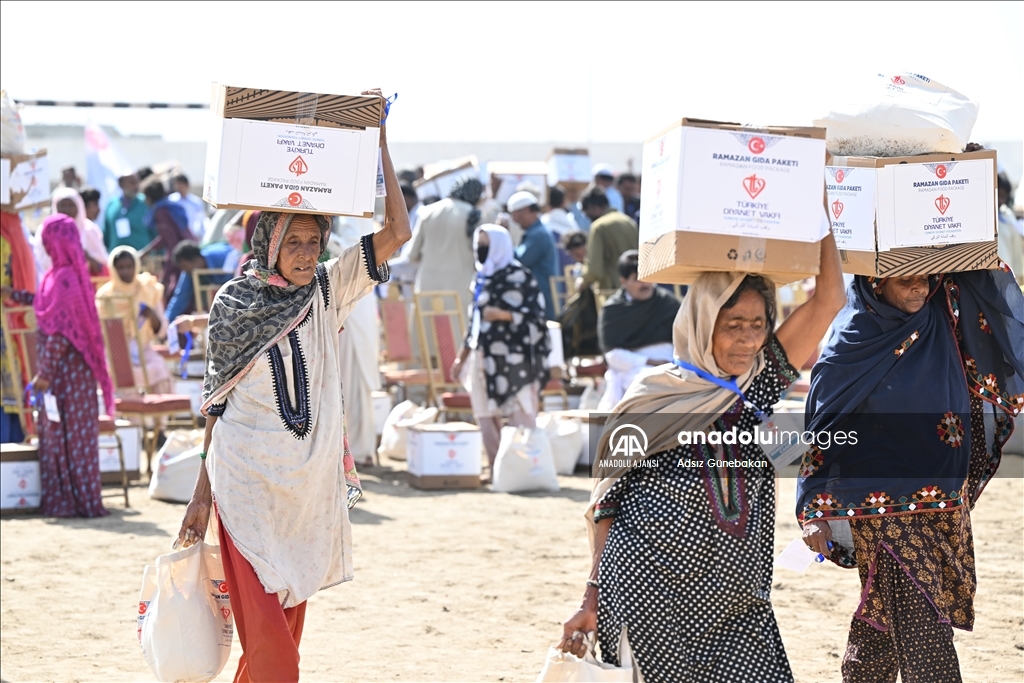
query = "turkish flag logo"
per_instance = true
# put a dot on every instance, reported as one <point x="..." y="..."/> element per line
<point x="756" y="145"/>
<point x="142" y="608"/>
<point x="837" y="208"/>
<point x="942" y="203"/>
<point x="298" y="167"/>
<point x="940" y="171"/>
<point x="840" y="175"/>
<point x="295" y="199"/>
<point x="753" y="185"/>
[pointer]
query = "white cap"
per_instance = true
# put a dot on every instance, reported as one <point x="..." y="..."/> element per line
<point x="520" y="200"/>
<point x="602" y="169"/>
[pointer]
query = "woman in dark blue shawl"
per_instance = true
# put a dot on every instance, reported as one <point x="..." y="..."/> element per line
<point x="898" y="400"/>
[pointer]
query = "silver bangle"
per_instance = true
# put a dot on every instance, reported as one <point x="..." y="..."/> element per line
<point x="593" y="584"/>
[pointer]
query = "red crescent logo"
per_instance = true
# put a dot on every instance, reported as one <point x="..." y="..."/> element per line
<point x="940" y="171"/>
<point x="840" y="175"/>
<point x="295" y="199"/>
<point x="756" y="145"/>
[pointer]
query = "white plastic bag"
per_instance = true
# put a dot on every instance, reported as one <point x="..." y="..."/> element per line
<point x="395" y="435"/>
<point x="565" y="668"/>
<point x="524" y="462"/>
<point x="185" y="621"/>
<point x="12" y="132"/>
<point x="566" y="437"/>
<point x="177" y="466"/>
<point x="900" y="114"/>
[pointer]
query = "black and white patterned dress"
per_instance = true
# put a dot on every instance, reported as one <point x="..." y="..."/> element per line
<point x="687" y="566"/>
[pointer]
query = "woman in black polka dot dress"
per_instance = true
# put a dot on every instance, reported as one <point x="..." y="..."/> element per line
<point x="683" y="551"/>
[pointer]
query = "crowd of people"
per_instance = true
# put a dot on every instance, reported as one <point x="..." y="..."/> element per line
<point x="682" y="556"/>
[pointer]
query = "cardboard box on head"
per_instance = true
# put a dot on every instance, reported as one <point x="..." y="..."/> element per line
<point x="726" y="197"/>
<point x="918" y="215"/>
<point x="569" y="166"/>
<point x="439" y="179"/>
<point x="293" y="151"/>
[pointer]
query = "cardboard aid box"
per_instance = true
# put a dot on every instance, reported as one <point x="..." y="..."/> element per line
<point x="439" y="179"/>
<point x="725" y="197"/>
<point x="506" y="176"/>
<point x="24" y="181"/>
<point x="20" y="487"/>
<point x="569" y="166"/>
<point x="299" y="152"/>
<point x="933" y="213"/>
<point x="444" y="455"/>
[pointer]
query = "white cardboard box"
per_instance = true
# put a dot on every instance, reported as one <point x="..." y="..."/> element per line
<point x="450" y="449"/>
<point x="130" y="442"/>
<point x="443" y="177"/>
<point x="569" y="166"/>
<point x="932" y="213"/>
<point x="24" y="181"/>
<point x="506" y="176"/>
<point x="851" y="206"/>
<point x="730" y="182"/>
<point x="286" y="166"/>
<point x="19" y="485"/>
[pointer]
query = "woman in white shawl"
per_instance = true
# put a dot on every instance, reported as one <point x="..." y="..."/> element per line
<point x="682" y="545"/>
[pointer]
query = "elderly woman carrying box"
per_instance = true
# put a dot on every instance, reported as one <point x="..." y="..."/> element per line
<point x="277" y="472"/>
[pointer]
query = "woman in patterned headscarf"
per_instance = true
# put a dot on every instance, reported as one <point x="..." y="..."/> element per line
<point x="911" y="367"/>
<point x="277" y="471"/>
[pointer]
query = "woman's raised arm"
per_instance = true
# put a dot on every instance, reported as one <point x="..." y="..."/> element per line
<point x="396" y="230"/>
<point x="800" y="333"/>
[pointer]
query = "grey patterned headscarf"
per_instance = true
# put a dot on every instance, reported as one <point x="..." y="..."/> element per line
<point x="469" y="190"/>
<point x="253" y="312"/>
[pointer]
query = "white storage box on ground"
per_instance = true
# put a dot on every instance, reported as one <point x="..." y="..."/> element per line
<point x="303" y="152"/>
<point x="725" y="197"/>
<point x="20" y="488"/>
<point x="445" y="456"/>
<point x="933" y="213"/>
<point x="110" y="463"/>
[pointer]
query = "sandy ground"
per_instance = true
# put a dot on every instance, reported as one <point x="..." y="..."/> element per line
<point x="450" y="586"/>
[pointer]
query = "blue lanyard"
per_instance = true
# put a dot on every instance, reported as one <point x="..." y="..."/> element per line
<point x="480" y="280"/>
<point x="725" y="384"/>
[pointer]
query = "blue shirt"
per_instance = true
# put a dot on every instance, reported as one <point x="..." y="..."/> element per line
<point x="576" y="209"/>
<point x="537" y="253"/>
<point x="184" y="293"/>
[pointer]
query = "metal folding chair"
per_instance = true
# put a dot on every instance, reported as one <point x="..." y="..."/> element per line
<point x="139" y="402"/>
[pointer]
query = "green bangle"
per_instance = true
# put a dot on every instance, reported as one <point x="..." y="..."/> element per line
<point x="202" y="455"/>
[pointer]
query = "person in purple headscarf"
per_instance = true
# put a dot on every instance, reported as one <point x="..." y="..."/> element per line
<point x="70" y="364"/>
